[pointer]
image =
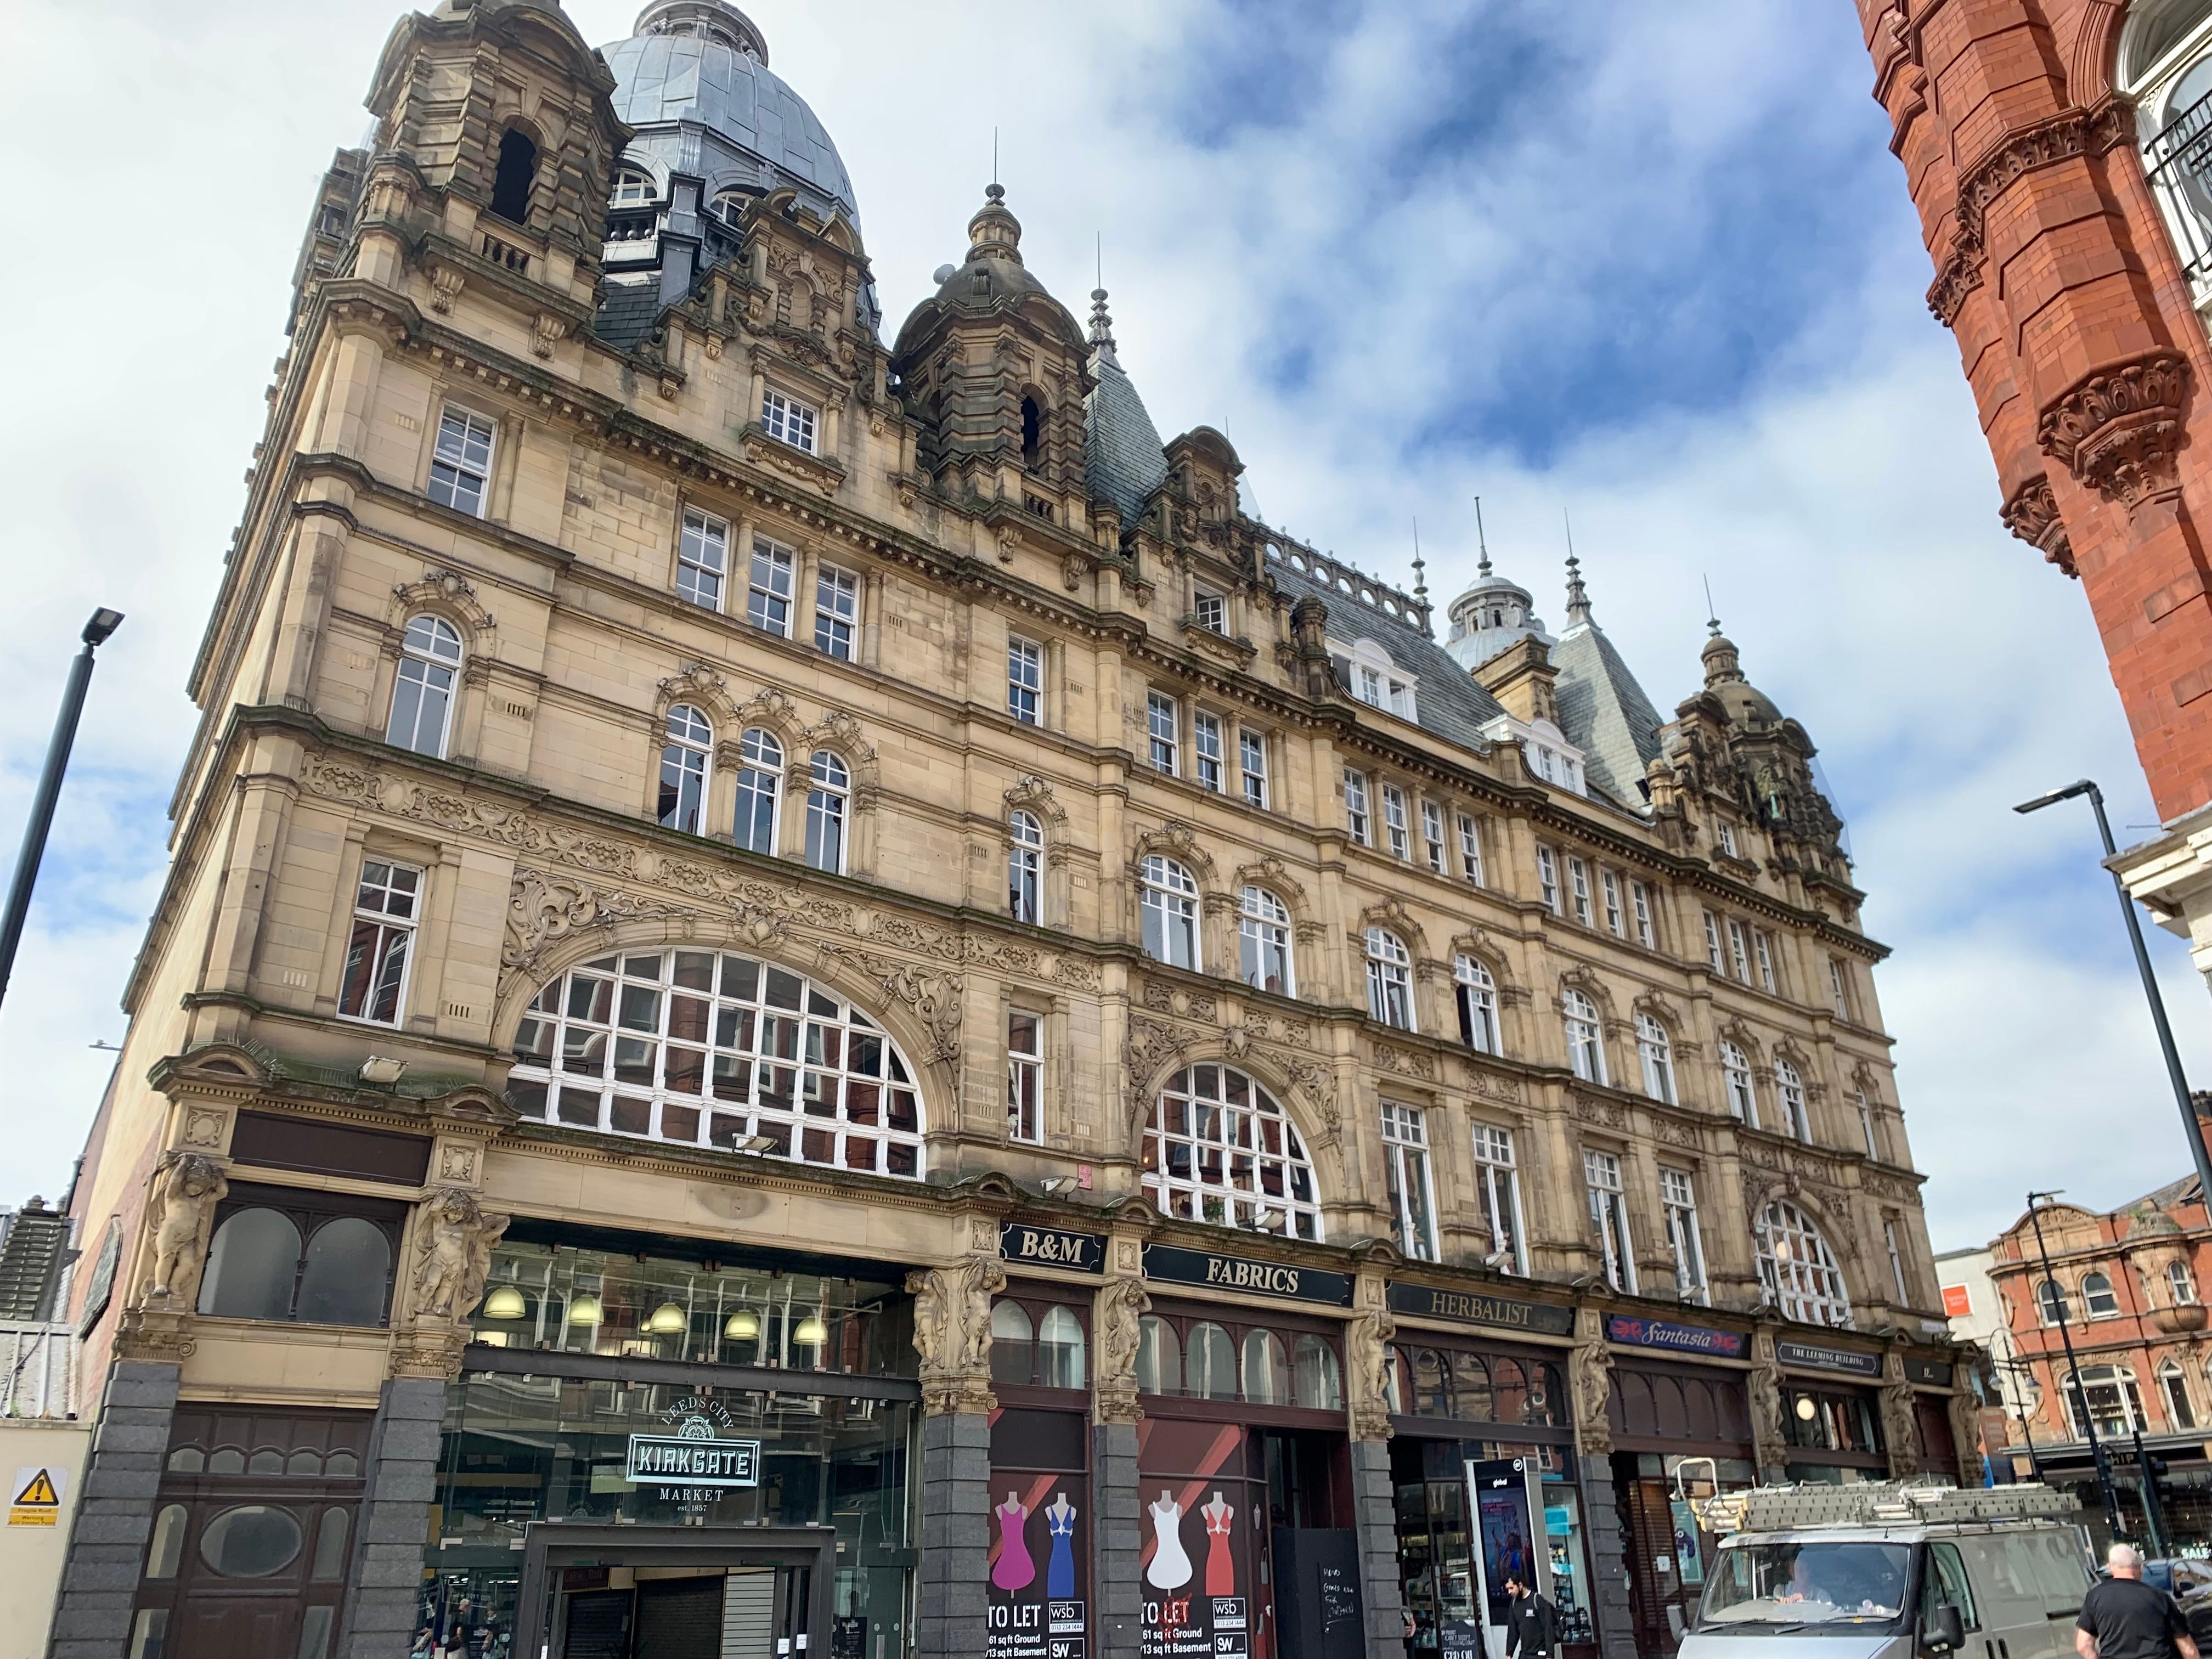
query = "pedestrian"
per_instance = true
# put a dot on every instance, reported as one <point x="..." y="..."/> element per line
<point x="1532" y="1624"/>
<point x="2123" y="1618"/>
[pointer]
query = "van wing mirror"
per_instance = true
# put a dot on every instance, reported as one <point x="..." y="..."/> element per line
<point x="1946" y="1631"/>
<point x="1676" y="1623"/>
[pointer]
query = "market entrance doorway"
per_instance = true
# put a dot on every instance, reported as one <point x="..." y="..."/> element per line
<point x="675" y="1592"/>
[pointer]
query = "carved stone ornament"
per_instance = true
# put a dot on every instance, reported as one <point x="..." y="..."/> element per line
<point x="179" y="1217"/>
<point x="1152" y="1044"/>
<point x="1765" y="1385"/>
<point x="2118" y="430"/>
<point x="453" y="1254"/>
<point x="1367" y="1361"/>
<point x="440" y="586"/>
<point x="155" y="1332"/>
<point x="934" y="998"/>
<point x="1589" y="1374"/>
<point x="2031" y="514"/>
<point x="1122" y="1305"/>
<point x="446" y="285"/>
<point x="1898" y="1429"/>
<point x="543" y="908"/>
<point x="1405" y="1062"/>
<point x="548" y="332"/>
<point x="1032" y="793"/>
<point x="952" y="1333"/>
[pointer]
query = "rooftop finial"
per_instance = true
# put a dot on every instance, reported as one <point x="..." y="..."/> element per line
<point x="1420" y="570"/>
<point x="996" y="189"/>
<point x="1578" y="604"/>
<point x="1481" y="541"/>
<point x="1712" y="614"/>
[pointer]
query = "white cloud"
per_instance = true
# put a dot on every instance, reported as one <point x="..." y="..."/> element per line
<point x="1839" y="496"/>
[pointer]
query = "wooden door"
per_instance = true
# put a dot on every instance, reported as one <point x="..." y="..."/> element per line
<point x="1655" y="1582"/>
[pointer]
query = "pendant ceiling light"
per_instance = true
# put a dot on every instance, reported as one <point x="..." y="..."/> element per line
<point x="811" y="1332"/>
<point x="584" y="1310"/>
<point x="506" y="1302"/>
<point x="668" y="1320"/>
<point x="743" y="1326"/>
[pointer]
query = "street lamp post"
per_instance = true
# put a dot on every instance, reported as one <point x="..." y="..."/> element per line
<point x="103" y="623"/>
<point x="2073" y="1370"/>
<point x="2196" y="1148"/>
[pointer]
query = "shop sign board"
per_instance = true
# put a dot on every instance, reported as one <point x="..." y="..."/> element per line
<point x="1936" y="1373"/>
<point x="1677" y="1339"/>
<point x="1242" y="1274"/>
<point x="1804" y="1357"/>
<point x="1472" y="1308"/>
<point x="695" y="1456"/>
<point x="1052" y="1246"/>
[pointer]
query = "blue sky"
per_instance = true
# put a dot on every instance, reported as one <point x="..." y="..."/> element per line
<point x="1652" y="264"/>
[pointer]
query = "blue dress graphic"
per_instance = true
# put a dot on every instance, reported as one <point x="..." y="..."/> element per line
<point x="1059" y="1570"/>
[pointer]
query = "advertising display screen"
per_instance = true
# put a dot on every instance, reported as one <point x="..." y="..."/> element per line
<point x="1506" y="1533"/>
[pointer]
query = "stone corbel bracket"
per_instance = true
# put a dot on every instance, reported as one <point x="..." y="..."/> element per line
<point x="2118" y="428"/>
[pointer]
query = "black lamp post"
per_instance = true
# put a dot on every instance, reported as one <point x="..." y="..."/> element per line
<point x="96" y="631"/>
<point x="2079" y="1389"/>
<point x="2196" y="1150"/>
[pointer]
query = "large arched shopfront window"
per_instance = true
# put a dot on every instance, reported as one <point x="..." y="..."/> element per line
<point x="1218" y="1148"/>
<point x="715" y="1049"/>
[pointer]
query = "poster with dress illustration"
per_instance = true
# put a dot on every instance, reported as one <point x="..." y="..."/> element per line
<point x="1200" y="1521"/>
<point x="1040" y="1541"/>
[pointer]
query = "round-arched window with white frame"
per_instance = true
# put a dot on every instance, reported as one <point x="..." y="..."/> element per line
<point x="1219" y="1147"/>
<point x="2165" y="70"/>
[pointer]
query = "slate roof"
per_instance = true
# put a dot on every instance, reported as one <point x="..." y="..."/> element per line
<point x="1447" y="700"/>
<point x="1604" y="713"/>
<point x="625" y="312"/>
<point x="1122" y="449"/>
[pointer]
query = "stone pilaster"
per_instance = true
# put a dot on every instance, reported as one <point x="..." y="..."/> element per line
<point x="1117" y="1590"/>
<point x="1374" y="1514"/>
<point x="401" y="1476"/>
<point x="956" y="1534"/>
<point x="115" y="1511"/>
<point x="1605" y="1594"/>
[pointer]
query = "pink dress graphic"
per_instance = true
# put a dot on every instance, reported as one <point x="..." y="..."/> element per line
<point x="1220" y="1567"/>
<point x="1013" y="1569"/>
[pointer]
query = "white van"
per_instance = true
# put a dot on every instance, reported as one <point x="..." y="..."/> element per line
<point x="1891" y="1571"/>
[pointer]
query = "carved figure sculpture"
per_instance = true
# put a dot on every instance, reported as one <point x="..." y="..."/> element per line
<point x="982" y="1279"/>
<point x="1592" y="1375"/>
<point x="1122" y="1307"/>
<point x="187" y="1186"/>
<point x="927" y="1287"/>
<point x="1765" y="1386"/>
<point x="455" y="1245"/>
<point x="1367" y="1354"/>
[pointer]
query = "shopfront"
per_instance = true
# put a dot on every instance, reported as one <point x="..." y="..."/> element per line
<point x="1680" y="1416"/>
<point x="1465" y="1393"/>
<point x="1244" y="1477"/>
<point x="1831" y="1413"/>
<point x="729" y="1439"/>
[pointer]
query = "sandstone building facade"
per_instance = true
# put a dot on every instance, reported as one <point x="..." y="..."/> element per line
<point x="2059" y="152"/>
<point x="809" y="994"/>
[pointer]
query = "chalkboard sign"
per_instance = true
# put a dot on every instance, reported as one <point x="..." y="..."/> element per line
<point x="1460" y="1638"/>
<point x="1317" y="1602"/>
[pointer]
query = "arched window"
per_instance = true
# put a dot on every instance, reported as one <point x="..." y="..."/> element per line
<point x="2050" y="1302"/>
<point x="2173" y="1385"/>
<point x="718" y="1050"/>
<point x="1585" y="1041"/>
<point x="759" y="782"/>
<point x="825" y="812"/>
<point x="1789" y="1090"/>
<point x="1209" y="1369"/>
<point x="518" y="171"/>
<point x="634" y="187"/>
<point x="729" y="206"/>
<point x="1012" y="1340"/>
<point x="2180" y="1284"/>
<point x="1267" y="1373"/>
<point x="346" y="1274"/>
<point x="1170" y="912"/>
<point x="1159" y="1357"/>
<point x="2108" y="1394"/>
<point x="1736" y="1075"/>
<point x="1477" y="1006"/>
<point x="168" y="1547"/>
<point x="1025" y="866"/>
<point x="2166" y="71"/>
<point x="2098" y="1297"/>
<point x="1389" y="978"/>
<point x="684" y="757"/>
<point x="1263" y="930"/>
<point x="251" y="1267"/>
<point x="1798" y="1269"/>
<point x="1032" y="433"/>
<point x="1061" y="1360"/>
<point x="1657" y="1056"/>
<point x="1218" y="1148"/>
<point x="1319" y="1384"/>
<point x="423" y="695"/>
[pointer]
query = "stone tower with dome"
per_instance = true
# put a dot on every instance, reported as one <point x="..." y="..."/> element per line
<point x="812" y="998"/>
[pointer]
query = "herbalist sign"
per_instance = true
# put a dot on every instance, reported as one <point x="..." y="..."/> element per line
<point x="696" y="1459"/>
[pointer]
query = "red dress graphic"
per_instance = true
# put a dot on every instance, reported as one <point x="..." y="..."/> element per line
<point x="1220" y="1567"/>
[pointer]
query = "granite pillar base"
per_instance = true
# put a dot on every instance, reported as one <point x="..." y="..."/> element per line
<point x="114" y="1511"/>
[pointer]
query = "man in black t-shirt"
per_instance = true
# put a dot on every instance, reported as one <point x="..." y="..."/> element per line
<point x="1532" y="1624"/>
<point x="2124" y="1618"/>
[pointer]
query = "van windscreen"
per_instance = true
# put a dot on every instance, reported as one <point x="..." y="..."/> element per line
<point x="1811" y="1583"/>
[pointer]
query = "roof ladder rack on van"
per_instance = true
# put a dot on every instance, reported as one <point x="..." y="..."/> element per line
<point x="1883" y="1503"/>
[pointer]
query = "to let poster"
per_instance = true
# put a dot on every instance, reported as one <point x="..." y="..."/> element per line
<point x="1037" y="1597"/>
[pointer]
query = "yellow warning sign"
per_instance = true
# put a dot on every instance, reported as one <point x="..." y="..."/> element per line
<point x="38" y="1500"/>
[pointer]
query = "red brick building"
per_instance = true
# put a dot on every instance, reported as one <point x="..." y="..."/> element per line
<point x="2060" y="154"/>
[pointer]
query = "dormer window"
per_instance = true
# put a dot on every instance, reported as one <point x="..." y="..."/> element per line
<point x="1727" y="834"/>
<point x="1213" y="613"/>
<point x="633" y="188"/>
<point x="1378" y="681"/>
<point x="786" y="420"/>
<point x="729" y="206"/>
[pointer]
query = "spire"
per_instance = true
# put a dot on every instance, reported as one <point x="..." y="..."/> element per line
<point x="1420" y="570"/>
<point x="1578" y="604"/>
<point x="994" y="233"/>
<point x="1481" y="541"/>
<point x="1102" y="325"/>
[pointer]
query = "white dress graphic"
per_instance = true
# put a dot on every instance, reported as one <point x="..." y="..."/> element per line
<point x="1169" y="1568"/>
